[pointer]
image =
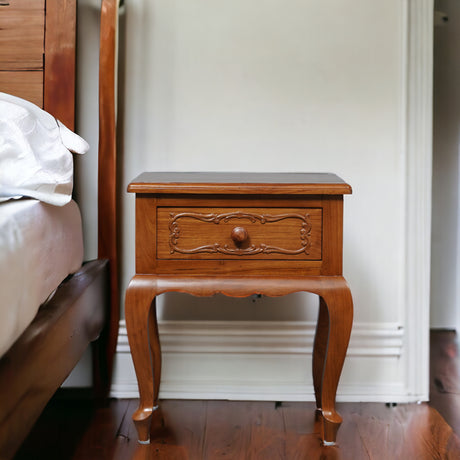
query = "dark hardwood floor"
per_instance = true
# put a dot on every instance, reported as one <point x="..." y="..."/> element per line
<point x="195" y="430"/>
<point x="445" y="377"/>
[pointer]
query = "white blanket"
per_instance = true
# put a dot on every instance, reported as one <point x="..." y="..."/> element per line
<point x="40" y="245"/>
<point x="35" y="153"/>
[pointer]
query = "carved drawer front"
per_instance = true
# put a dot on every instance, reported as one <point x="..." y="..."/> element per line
<point x="245" y="233"/>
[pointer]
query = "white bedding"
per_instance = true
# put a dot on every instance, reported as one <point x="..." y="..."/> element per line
<point x="40" y="245"/>
<point x="35" y="153"/>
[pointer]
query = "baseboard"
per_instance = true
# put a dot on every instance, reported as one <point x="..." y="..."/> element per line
<point x="264" y="360"/>
<point x="266" y="337"/>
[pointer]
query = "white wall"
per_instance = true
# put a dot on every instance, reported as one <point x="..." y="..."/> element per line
<point x="269" y="86"/>
<point x="446" y="114"/>
<point x="277" y="86"/>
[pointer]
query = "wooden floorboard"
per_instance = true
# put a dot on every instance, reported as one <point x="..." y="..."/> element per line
<point x="445" y="377"/>
<point x="206" y="430"/>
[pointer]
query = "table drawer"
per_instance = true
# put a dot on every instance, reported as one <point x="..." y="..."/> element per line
<point x="239" y="233"/>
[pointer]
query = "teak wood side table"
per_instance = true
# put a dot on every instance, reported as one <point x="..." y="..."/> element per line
<point x="240" y="234"/>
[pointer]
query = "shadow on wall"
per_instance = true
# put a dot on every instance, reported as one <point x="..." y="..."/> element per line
<point x="294" y="307"/>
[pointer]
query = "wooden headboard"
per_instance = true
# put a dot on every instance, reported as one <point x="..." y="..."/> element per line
<point x="37" y="55"/>
<point x="38" y="63"/>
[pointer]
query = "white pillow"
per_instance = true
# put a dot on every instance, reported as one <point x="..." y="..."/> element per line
<point x="35" y="153"/>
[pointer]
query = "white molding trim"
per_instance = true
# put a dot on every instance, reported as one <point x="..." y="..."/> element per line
<point x="418" y="155"/>
<point x="266" y="337"/>
<point x="268" y="342"/>
<point x="236" y="391"/>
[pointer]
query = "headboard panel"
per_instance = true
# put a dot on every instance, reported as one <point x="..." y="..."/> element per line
<point x="37" y="54"/>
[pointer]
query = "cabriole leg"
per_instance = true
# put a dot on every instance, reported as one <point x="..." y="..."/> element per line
<point x="142" y="328"/>
<point x="331" y="342"/>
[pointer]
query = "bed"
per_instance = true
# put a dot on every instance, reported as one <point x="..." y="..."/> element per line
<point x="52" y="304"/>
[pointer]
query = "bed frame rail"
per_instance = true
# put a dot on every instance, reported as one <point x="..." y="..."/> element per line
<point x="44" y="355"/>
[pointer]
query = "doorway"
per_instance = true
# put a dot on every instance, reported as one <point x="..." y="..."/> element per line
<point x="445" y="240"/>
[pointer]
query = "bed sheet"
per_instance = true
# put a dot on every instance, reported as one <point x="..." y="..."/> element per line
<point x="40" y="245"/>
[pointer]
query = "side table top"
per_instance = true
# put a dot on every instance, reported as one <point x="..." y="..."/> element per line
<point x="239" y="183"/>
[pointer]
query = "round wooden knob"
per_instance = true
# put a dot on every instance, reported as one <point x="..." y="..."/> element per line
<point x="239" y="234"/>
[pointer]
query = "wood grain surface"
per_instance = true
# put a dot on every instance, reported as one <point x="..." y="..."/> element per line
<point x="108" y="215"/>
<point x="210" y="430"/>
<point x="239" y="183"/>
<point x="329" y="358"/>
<point x="41" y="359"/>
<point x="199" y="233"/>
<point x="197" y="430"/>
<point x="271" y="233"/>
<point x="60" y="60"/>
<point x="22" y="38"/>
<point x="23" y="83"/>
<point x="22" y="26"/>
<point x="445" y="376"/>
<point x="153" y="235"/>
<point x="37" y="54"/>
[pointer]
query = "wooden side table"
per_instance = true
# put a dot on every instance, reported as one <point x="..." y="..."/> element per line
<point x="240" y="234"/>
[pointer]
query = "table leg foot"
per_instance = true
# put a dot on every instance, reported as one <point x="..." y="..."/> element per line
<point x="143" y="422"/>
<point x="330" y="425"/>
<point x="327" y="426"/>
<point x="142" y="418"/>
